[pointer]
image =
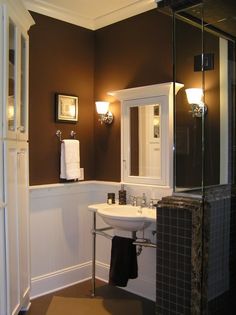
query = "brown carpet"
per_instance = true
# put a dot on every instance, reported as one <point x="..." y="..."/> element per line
<point x="93" y="306"/>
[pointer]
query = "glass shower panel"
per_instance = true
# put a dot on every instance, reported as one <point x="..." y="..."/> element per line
<point x="219" y="144"/>
<point x="204" y="49"/>
<point x="219" y="52"/>
<point x="204" y="58"/>
<point x="189" y="129"/>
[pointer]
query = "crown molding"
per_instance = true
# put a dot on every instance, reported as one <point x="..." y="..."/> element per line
<point x="19" y="13"/>
<point x="124" y="13"/>
<point x="56" y="12"/>
<point x="70" y="16"/>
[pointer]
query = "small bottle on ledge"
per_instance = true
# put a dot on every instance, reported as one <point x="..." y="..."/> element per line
<point x="110" y="198"/>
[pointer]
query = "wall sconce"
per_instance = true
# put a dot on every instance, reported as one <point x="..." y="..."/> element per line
<point x="194" y="97"/>
<point x="103" y="111"/>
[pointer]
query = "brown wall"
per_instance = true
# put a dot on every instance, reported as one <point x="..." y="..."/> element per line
<point x="134" y="52"/>
<point x="189" y="129"/>
<point x="61" y="60"/>
<point x="131" y="53"/>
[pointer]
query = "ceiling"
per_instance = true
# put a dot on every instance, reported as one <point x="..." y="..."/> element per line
<point x="219" y="14"/>
<point x="91" y="14"/>
<point x="94" y="14"/>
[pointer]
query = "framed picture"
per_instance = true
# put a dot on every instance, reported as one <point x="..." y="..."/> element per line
<point x="66" y="108"/>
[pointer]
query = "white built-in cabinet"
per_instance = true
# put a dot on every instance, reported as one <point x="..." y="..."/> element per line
<point x="14" y="216"/>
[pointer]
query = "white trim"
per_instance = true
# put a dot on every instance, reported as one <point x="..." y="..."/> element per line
<point x="39" y="191"/>
<point x="124" y="13"/>
<point x="46" y="209"/>
<point x="157" y="93"/>
<point x="56" y="12"/>
<point x="71" y="188"/>
<point x="59" y="279"/>
<point x="19" y="13"/>
<point x="143" y="287"/>
<point x="76" y="184"/>
<point x="161" y="89"/>
<point x="25" y="302"/>
<point x="140" y="286"/>
<point x="70" y="16"/>
<point x="27" y="307"/>
<point x="102" y="271"/>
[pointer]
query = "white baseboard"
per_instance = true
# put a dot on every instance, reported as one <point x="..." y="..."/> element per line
<point x="140" y="286"/>
<point x="26" y="308"/>
<point x="143" y="287"/>
<point x="26" y="300"/>
<point x="60" y="279"/>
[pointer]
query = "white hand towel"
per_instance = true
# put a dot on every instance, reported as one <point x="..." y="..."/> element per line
<point x="70" y="159"/>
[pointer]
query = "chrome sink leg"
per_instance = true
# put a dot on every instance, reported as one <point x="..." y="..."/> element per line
<point x="134" y="235"/>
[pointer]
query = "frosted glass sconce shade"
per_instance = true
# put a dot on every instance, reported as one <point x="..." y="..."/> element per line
<point x="102" y="108"/>
<point x="194" y="97"/>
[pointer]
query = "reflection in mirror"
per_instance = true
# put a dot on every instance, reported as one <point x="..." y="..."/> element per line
<point x="145" y="129"/>
<point x="11" y="77"/>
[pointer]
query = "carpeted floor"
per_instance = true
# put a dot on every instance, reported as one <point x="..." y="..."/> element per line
<point x="111" y="298"/>
<point x="93" y="306"/>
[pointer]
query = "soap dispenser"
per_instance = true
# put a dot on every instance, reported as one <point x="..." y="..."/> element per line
<point x="122" y="196"/>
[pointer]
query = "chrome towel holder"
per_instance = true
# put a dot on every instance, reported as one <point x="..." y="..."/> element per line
<point x="59" y="134"/>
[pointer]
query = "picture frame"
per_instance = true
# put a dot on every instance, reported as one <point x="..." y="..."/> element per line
<point x="66" y="108"/>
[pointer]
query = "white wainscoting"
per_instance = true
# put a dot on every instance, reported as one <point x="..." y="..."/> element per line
<point x="61" y="241"/>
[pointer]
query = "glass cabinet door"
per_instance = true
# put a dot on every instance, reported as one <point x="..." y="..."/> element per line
<point x="22" y="118"/>
<point x="12" y="72"/>
<point x="16" y="111"/>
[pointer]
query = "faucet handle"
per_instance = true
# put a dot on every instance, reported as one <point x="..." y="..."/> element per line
<point x="152" y="201"/>
<point x="133" y="200"/>
<point x="151" y="204"/>
<point x="144" y="200"/>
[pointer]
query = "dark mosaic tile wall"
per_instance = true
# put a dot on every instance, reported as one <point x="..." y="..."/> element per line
<point x="179" y="256"/>
<point x="196" y="255"/>
<point x="232" y="261"/>
<point x="222" y="251"/>
<point x="219" y="244"/>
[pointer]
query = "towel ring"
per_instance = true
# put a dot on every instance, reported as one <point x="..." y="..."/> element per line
<point x="58" y="134"/>
<point x="73" y="134"/>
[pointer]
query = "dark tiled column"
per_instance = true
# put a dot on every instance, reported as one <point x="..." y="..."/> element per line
<point x="222" y="250"/>
<point x="181" y="284"/>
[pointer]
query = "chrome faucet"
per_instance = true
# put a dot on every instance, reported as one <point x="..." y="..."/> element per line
<point x="134" y="201"/>
<point x="144" y="201"/>
<point x="139" y="201"/>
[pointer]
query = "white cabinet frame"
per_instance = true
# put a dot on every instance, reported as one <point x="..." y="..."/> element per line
<point x="150" y="94"/>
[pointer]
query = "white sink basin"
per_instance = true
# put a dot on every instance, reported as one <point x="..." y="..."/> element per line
<point x="125" y="217"/>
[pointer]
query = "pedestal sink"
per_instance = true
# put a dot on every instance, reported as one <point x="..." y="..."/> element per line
<point x="125" y="217"/>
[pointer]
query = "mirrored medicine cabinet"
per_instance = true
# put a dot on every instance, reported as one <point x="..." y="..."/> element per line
<point x="147" y="134"/>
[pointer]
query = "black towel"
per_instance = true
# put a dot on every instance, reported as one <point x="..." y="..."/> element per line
<point x="123" y="264"/>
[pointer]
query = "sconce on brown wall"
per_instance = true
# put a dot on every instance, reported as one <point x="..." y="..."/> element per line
<point x="105" y="116"/>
